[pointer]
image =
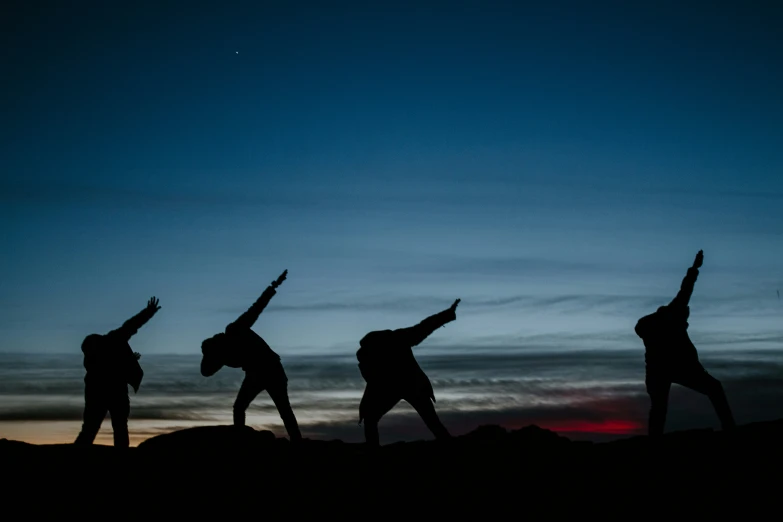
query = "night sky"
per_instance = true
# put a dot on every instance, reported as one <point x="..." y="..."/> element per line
<point x="557" y="168"/>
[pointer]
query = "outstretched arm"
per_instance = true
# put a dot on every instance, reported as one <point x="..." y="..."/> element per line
<point x="414" y="335"/>
<point x="249" y="318"/>
<point x="686" y="288"/>
<point x="132" y="325"/>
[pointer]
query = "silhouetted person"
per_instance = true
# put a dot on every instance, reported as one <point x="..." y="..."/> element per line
<point x="111" y="366"/>
<point x="387" y="364"/>
<point x="671" y="357"/>
<point x="241" y="347"/>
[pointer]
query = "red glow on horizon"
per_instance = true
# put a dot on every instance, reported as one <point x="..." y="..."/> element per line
<point x="609" y="427"/>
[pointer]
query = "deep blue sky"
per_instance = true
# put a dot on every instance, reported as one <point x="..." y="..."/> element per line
<point x="555" y="167"/>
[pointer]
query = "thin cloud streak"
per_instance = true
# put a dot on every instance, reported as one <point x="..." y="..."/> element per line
<point x="571" y="303"/>
<point x="571" y="392"/>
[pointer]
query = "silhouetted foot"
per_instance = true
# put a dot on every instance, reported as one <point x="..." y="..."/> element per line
<point x="241" y="429"/>
<point x="655" y="444"/>
<point x="446" y="441"/>
<point x="371" y="448"/>
<point x="729" y="432"/>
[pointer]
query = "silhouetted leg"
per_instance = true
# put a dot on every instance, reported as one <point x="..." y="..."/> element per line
<point x="426" y="410"/>
<point x="252" y="385"/>
<point x="119" y="409"/>
<point x="371" y="435"/>
<point x="703" y="382"/>
<point x="376" y="402"/>
<point x="658" y="390"/>
<point x="95" y="410"/>
<point x="279" y="395"/>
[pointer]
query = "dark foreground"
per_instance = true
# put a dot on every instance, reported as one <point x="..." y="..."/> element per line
<point x="223" y="472"/>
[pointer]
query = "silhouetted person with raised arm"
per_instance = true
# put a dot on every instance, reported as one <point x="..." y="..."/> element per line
<point x="240" y="347"/>
<point x="671" y="357"/>
<point x="111" y="366"/>
<point x="392" y="374"/>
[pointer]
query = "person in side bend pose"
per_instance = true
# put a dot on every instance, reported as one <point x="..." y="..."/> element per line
<point x="670" y="357"/>
<point x="111" y="366"/>
<point x="392" y="374"/>
<point x="240" y="347"/>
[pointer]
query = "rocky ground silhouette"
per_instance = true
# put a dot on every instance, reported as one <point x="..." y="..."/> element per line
<point x="244" y="472"/>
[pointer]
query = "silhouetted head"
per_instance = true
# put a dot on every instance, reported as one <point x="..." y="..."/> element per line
<point x="212" y="360"/>
<point x="374" y="338"/>
<point x="675" y="313"/>
<point x="213" y="345"/>
<point x="91" y="342"/>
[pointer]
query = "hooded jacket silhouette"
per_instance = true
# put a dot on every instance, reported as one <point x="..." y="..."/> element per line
<point x="111" y="366"/>
<point x="240" y="347"/>
<point x="671" y="357"/>
<point x="392" y="374"/>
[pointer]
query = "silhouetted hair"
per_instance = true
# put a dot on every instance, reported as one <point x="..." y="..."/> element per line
<point x="675" y="312"/>
<point x="91" y="341"/>
<point x="212" y="346"/>
<point x="212" y="359"/>
<point x="374" y="338"/>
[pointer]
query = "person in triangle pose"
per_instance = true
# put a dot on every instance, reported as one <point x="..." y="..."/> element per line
<point x="670" y="357"/>
<point x="111" y="366"/>
<point x="392" y="374"/>
<point x="240" y="347"/>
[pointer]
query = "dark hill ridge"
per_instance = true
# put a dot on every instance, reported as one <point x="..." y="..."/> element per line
<point x="487" y="469"/>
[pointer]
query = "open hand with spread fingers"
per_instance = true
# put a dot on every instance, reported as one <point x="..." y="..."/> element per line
<point x="152" y="304"/>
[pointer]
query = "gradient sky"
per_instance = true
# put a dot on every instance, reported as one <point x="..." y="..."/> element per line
<point x="556" y="167"/>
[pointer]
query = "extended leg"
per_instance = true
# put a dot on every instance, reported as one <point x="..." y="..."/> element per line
<point x="426" y="410"/>
<point x="279" y="395"/>
<point x="371" y="435"/>
<point x="658" y="390"/>
<point x="376" y="402"/>
<point x="251" y="386"/>
<point x="95" y="410"/>
<point x="119" y="409"/>
<point x="703" y="382"/>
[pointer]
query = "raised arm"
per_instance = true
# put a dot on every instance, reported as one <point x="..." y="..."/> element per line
<point x="414" y="335"/>
<point x="132" y="325"/>
<point x="248" y="319"/>
<point x="686" y="288"/>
